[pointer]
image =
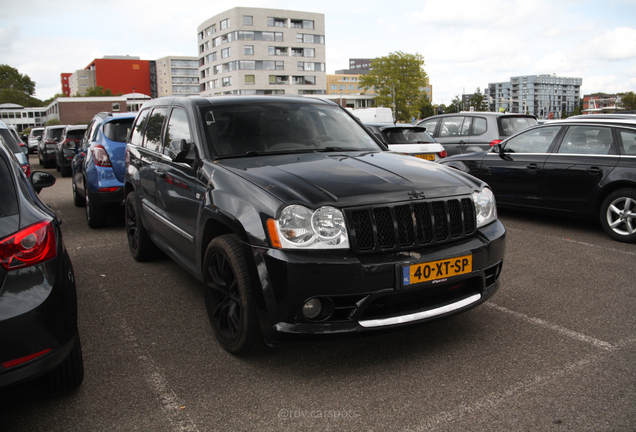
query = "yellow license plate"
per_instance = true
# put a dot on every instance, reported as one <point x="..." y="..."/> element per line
<point x="436" y="270"/>
<point x="430" y="157"/>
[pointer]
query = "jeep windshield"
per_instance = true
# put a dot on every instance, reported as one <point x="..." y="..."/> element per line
<point x="280" y="127"/>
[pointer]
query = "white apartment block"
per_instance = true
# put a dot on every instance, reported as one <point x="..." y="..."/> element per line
<point x="262" y="51"/>
<point x="177" y="76"/>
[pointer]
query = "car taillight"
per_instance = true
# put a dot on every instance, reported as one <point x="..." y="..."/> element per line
<point x="26" y="169"/>
<point x="32" y="245"/>
<point x="443" y="154"/>
<point x="100" y="156"/>
<point x="492" y="143"/>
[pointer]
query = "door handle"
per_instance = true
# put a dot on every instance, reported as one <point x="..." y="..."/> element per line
<point x="533" y="166"/>
<point x="595" y="170"/>
<point x="160" y="173"/>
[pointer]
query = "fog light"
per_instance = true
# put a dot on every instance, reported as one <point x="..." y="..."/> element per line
<point x="312" y="308"/>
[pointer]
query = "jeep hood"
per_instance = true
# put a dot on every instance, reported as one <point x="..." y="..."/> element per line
<point x="350" y="178"/>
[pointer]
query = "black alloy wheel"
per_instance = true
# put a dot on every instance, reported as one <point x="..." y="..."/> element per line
<point x="618" y="215"/>
<point x="228" y="297"/>
<point x="142" y="248"/>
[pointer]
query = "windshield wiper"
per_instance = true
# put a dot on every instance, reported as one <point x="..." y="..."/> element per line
<point x="334" y="149"/>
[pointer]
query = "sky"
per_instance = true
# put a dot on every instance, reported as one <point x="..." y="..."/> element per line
<point x="466" y="44"/>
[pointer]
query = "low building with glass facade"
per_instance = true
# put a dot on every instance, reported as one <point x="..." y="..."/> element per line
<point x="262" y="51"/>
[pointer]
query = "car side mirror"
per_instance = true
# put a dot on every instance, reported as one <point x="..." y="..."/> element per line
<point x="178" y="150"/>
<point x="24" y="149"/>
<point x="39" y="138"/>
<point x="41" y="180"/>
<point x="497" y="148"/>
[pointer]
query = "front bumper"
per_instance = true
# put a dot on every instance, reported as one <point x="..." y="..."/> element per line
<point x="362" y="293"/>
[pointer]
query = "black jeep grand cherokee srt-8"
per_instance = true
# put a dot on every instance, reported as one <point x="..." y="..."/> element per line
<point x="298" y="222"/>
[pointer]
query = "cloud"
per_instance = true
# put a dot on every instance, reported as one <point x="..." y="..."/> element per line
<point x="616" y="44"/>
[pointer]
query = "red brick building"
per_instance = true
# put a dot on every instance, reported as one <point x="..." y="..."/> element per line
<point x="66" y="89"/>
<point x="80" y="110"/>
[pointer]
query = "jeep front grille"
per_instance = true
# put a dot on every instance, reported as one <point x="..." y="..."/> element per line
<point x="409" y="225"/>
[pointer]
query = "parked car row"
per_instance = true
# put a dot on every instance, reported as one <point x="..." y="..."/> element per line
<point x="39" y="338"/>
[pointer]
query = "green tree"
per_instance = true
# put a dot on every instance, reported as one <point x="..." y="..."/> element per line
<point x="478" y="101"/>
<point x="455" y="105"/>
<point x="425" y="107"/>
<point x="17" y="88"/>
<point x="398" y="79"/>
<point x="96" y="91"/>
<point x="628" y="100"/>
<point x="53" y="122"/>
<point x="51" y="99"/>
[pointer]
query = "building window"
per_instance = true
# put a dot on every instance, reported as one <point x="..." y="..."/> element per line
<point x="334" y="86"/>
<point x="277" y="51"/>
<point x="247" y="20"/>
<point x="225" y="24"/>
<point x="226" y="82"/>
<point x="278" y="79"/>
<point x="115" y="107"/>
<point x="308" y="38"/>
<point x="276" y="22"/>
<point x="304" y="24"/>
<point x="304" y="80"/>
<point x="351" y="87"/>
<point x="225" y="53"/>
<point x="250" y="80"/>
<point x="342" y="87"/>
<point x="248" y="50"/>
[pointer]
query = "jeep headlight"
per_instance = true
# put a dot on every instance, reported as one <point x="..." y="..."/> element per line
<point x="301" y="228"/>
<point x="485" y="207"/>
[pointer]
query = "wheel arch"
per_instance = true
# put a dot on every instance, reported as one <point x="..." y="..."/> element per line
<point x="612" y="187"/>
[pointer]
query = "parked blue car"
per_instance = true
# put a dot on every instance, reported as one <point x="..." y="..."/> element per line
<point x="100" y="165"/>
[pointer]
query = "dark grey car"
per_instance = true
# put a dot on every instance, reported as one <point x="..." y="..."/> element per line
<point x="469" y="132"/>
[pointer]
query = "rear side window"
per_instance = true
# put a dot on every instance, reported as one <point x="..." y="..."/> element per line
<point x="628" y="138"/>
<point x="593" y="140"/>
<point x="54" y="133"/>
<point x="454" y="126"/>
<point x="152" y="135"/>
<point x="138" y="130"/>
<point x="429" y="125"/>
<point x="9" y="140"/>
<point x="8" y="198"/>
<point x="509" y="126"/>
<point x="117" y="130"/>
<point x="178" y="127"/>
<point x="75" y="134"/>
<point x="37" y="133"/>
<point x="479" y="125"/>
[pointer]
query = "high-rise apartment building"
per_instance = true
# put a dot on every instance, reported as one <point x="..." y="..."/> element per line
<point x="177" y="76"/>
<point x="537" y="95"/>
<point x="262" y="51"/>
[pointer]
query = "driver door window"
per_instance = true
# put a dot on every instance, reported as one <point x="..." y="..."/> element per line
<point x="534" y="141"/>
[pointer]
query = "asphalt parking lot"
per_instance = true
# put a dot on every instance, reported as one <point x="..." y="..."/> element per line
<point x="554" y="349"/>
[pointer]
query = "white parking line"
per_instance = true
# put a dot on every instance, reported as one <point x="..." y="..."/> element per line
<point x="176" y="417"/>
<point x="564" y="331"/>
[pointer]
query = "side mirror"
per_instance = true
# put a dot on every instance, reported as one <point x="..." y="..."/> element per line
<point x="24" y="149"/>
<point x="41" y="180"/>
<point x="497" y="148"/>
<point x="178" y="150"/>
<point x="40" y="138"/>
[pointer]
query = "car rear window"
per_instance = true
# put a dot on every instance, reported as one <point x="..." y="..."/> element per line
<point x="37" y="133"/>
<point x="54" y="133"/>
<point x="8" y="199"/>
<point x="75" y="134"/>
<point x="407" y="136"/>
<point x="117" y="130"/>
<point x="509" y="126"/>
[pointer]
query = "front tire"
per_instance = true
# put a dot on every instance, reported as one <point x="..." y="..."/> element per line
<point x="142" y="248"/>
<point x="228" y="297"/>
<point x="618" y="215"/>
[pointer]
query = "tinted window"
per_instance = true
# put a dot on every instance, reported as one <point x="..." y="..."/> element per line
<point x="138" y="129"/>
<point x="595" y="140"/>
<point x="8" y="199"/>
<point x="240" y="129"/>
<point x="178" y="128"/>
<point x="9" y="140"/>
<point x="54" y="133"/>
<point x="628" y="138"/>
<point x="75" y="134"/>
<point x="509" y="126"/>
<point x="37" y="133"/>
<point x="407" y="136"/>
<point x="534" y="141"/>
<point x="479" y="126"/>
<point x="152" y="134"/>
<point x="117" y="130"/>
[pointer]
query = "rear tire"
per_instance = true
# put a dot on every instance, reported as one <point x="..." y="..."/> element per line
<point x="95" y="215"/>
<point x="228" y="297"/>
<point x="66" y="171"/>
<point x="69" y="374"/>
<point x="142" y="248"/>
<point x="618" y="215"/>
